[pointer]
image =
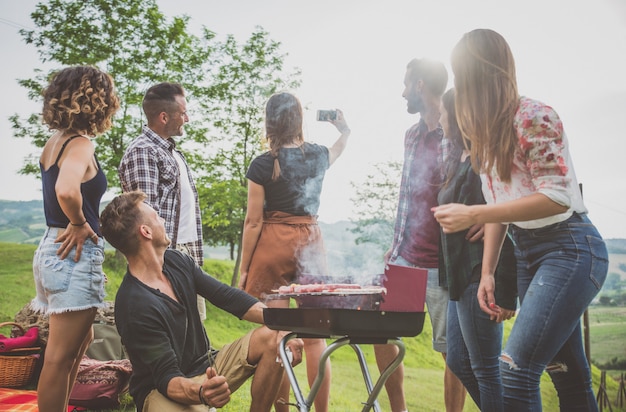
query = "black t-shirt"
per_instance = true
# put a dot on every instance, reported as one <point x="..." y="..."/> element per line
<point x="298" y="188"/>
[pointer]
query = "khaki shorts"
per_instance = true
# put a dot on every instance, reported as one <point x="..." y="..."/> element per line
<point x="231" y="362"/>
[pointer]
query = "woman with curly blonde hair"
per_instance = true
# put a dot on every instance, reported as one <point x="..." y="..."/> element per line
<point x="78" y="104"/>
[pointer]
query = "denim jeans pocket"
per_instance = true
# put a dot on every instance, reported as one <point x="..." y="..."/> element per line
<point x="97" y="258"/>
<point x="56" y="273"/>
<point x="599" y="260"/>
<point x="97" y="273"/>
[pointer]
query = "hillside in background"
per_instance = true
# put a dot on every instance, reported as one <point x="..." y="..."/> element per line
<point x="24" y="222"/>
<point x="21" y="222"/>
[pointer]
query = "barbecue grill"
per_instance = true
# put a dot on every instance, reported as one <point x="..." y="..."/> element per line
<point x="381" y="313"/>
<point x="350" y="327"/>
<point x="368" y="298"/>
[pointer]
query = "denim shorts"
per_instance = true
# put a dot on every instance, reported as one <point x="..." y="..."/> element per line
<point x="65" y="285"/>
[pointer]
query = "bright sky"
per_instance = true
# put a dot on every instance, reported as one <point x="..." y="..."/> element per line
<point x="353" y="54"/>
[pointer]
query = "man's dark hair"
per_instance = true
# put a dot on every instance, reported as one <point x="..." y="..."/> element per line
<point x="161" y="98"/>
<point x="431" y="72"/>
<point x="119" y="219"/>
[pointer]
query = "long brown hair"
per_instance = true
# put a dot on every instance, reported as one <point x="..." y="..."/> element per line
<point x="283" y="124"/>
<point x="454" y="136"/>
<point x="486" y="99"/>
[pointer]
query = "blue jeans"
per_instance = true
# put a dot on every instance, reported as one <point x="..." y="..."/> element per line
<point x="474" y="346"/>
<point x="561" y="268"/>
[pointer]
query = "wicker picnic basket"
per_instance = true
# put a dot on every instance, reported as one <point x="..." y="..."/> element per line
<point x="17" y="365"/>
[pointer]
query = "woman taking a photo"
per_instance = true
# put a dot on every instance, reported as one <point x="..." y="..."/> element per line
<point x="78" y="104"/>
<point x="281" y="238"/>
<point x="519" y="147"/>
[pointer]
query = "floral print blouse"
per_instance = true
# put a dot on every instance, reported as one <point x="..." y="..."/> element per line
<point x="542" y="164"/>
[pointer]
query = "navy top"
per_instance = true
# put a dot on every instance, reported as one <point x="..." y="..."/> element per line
<point x="165" y="338"/>
<point x="297" y="190"/>
<point x="92" y="192"/>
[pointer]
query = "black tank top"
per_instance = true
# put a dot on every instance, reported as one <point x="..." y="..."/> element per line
<point x="91" y="191"/>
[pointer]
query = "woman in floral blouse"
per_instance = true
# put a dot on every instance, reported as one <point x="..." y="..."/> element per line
<point x="519" y="147"/>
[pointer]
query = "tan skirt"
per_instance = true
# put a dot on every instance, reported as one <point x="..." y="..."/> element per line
<point x="289" y="246"/>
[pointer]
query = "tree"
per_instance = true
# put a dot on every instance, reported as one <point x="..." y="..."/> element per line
<point x="131" y="40"/>
<point x="375" y="203"/>
<point x="605" y="300"/>
<point x="227" y="84"/>
<point x="246" y="76"/>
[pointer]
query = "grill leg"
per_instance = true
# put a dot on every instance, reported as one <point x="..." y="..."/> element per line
<point x="301" y="403"/>
<point x="380" y="383"/>
<point x="366" y="374"/>
<point x="304" y="405"/>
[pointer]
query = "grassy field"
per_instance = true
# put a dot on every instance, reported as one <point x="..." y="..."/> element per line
<point x="608" y="336"/>
<point x="423" y="366"/>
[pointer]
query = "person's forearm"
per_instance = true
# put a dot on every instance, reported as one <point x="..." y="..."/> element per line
<point x="494" y="236"/>
<point x="71" y="203"/>
<point x="535" y="206"/>
<point x="255" y="313"/>
<point x="251" y="234"/>
<point x="339" y="146"/>
<point x="183" y="390"/>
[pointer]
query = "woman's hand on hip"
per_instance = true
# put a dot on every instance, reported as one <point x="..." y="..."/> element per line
<point x="75" y="236"/>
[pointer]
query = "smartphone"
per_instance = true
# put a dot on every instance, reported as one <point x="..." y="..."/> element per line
<point x="326" y="115"/>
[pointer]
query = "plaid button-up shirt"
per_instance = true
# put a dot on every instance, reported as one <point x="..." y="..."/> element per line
<point x="413" y="142"/>
<point x="149" y="165"/>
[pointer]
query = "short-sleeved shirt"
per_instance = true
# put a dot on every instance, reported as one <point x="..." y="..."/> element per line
<point x="541" y="164"/>
<point x="297" y="190"/>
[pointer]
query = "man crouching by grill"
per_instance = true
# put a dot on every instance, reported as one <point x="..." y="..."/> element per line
<point x="174" y="367"/>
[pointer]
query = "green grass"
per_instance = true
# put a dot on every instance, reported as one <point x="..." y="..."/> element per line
<point x="423" y="366"/>
<point x="608" y="333"/>
<point x="16" y="278"/>
<point x="13" y="235"/>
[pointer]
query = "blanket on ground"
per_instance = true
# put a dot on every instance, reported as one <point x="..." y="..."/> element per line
<point x="18" y="400"/>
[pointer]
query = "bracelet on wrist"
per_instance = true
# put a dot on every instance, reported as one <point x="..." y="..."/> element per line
<point x="78" y="224"/>
<point x="202" y="397"/>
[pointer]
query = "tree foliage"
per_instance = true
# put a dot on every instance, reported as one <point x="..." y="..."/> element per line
<point x="375" y="203"/>
<point x="227" y="83"/>
<point x="133" y="41"/>
<point x="247" y="75"/>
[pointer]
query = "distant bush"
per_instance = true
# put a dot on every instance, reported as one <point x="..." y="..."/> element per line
<point x="613" y="364"/>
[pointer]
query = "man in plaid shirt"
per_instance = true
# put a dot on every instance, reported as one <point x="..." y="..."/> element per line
<point x="152" y="164"/>
<point x="416" y="233"/>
